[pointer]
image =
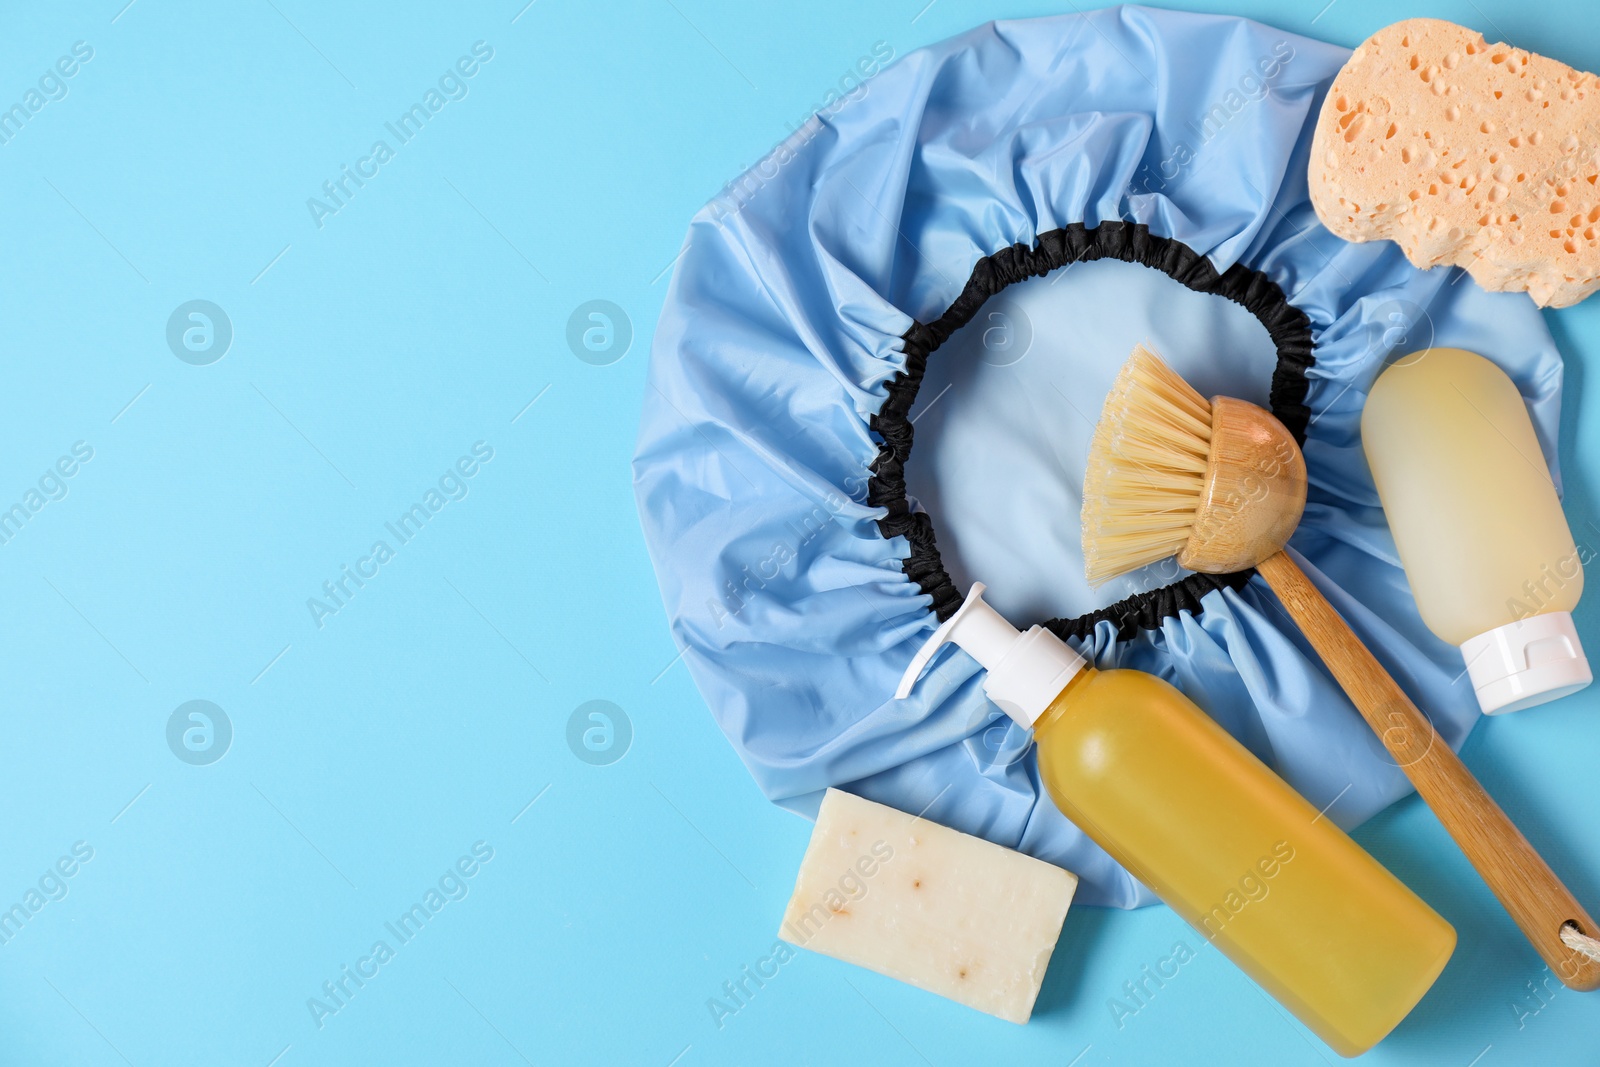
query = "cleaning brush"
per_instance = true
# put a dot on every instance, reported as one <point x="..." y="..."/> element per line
<point x="1218" y="483"/>
<point x="1221" y="484"/>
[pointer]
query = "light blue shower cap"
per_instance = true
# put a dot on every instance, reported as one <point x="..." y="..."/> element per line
<point x="998" y="218"/>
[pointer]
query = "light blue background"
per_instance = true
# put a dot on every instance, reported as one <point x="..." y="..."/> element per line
<point x="369" y="754"/>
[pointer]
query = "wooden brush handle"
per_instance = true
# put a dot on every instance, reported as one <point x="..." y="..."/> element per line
<point x="1516" y="873"/>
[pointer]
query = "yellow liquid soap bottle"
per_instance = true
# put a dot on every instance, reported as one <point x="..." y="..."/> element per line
<point x="1227" y="844"/>
<point x="1478" y="526"/>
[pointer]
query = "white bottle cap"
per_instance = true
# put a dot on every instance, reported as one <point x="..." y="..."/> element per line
<point x="1027" y="671"/>
<point x="1527" y="662"/>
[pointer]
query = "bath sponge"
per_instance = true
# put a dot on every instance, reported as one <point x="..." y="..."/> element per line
<point x="1466" y="153"/>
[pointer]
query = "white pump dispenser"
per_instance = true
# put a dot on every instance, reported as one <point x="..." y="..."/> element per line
<point x="1027" y="671"/>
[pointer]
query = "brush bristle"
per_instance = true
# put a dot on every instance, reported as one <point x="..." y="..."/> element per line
<point x="1147" y="468"/>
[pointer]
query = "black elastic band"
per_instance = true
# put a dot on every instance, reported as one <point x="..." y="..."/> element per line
<point x="1287" y="325"/>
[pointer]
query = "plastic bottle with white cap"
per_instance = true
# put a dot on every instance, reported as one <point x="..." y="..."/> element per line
<point x="1478" y="525"/>
<point x="1211" y="830"/>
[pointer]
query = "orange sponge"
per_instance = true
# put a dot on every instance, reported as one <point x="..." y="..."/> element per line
<point x="1466" y="153"/>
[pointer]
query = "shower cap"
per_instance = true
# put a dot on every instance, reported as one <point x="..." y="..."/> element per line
<point x="968" y="244"/>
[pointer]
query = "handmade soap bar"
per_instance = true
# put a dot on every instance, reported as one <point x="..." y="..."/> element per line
<point x="928" y="905"/>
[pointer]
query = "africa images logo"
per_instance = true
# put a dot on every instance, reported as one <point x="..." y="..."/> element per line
<point x="451" y="85"/>
<point x="199" y="332"/>
<point x="199" y="732"/>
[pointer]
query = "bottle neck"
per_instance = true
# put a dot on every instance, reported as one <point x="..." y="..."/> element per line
<point x="1062" y="704"/>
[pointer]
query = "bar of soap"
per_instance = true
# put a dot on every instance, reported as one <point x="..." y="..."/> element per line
<point x="1468" y="152"/>
<point x="927" y="905"/>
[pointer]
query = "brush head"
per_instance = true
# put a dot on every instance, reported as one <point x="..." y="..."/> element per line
<point x="1147" y="468"/>
<point x="1220" y="484"/>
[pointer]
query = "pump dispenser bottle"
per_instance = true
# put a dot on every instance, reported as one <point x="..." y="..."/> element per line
<point x="1227" y="844"/>
<point x="1477" y="524"/>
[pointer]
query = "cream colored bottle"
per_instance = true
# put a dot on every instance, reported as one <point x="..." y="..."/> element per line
<point x="1263" y="876"/>
<point x="1477" y="523"/>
